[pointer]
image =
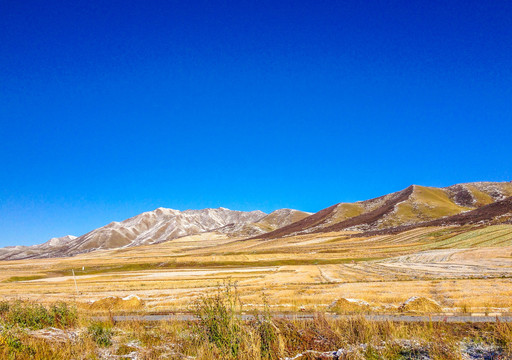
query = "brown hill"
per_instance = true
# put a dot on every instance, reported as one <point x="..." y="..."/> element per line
<point x="499" y="212"/>
<point x="413" y="205"/>
<point x="270" y="222"/>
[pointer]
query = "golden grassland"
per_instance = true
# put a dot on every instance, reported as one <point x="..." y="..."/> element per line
<point x="462" y="268"/>
<point x="228" y="337"/>
<point x="32" y="331"/>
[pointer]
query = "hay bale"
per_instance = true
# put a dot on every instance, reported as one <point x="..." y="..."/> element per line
<point x="349" y="306"/>
<point x="132" y="302"/>
<point x="418" y="304"/>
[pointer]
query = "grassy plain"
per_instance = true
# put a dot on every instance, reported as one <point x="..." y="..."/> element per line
<point x="464" y="269"/>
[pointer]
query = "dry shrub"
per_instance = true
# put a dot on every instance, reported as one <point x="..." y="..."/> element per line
<point x="358" y="330"/>
<point x="444" y="349"/>
<point x="503" y="336"/>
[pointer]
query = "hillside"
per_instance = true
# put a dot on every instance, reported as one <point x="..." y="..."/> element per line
<point x="270" y="222"/>
<point x="462" y="261"/>
<point x="159" y="226"/>
<point x="413" y="205"/>
<point x="499" y="212"/>
<point x="147" y="228"/>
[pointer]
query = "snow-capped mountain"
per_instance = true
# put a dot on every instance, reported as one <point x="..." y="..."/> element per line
<point x="160" y="225"/>
<point x="147" y="228"/>
<point x="58" y="241"/>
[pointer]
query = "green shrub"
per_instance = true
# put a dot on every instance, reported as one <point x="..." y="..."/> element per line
<point x="101" y="334"/>
<point x="269" y="342"/>
<point x="63" y="315"/>
<point x="219" y="321"/>
<point x="37" y="316"/>
<point x="4" y="307"/>
<point x="28" y="315"/>
<point x="11" y="343"/>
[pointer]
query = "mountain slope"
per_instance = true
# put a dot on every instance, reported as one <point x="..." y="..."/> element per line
<point x="413" y="205"/>
<point x="146" y="228"/>
<point x="270" y="222"/>
<point x="58" y="241"/>
<point x="343" y="213"/>
<point x="499" y="212"/>
<point x="34" y="251"/>
<point x="161" y="225"/>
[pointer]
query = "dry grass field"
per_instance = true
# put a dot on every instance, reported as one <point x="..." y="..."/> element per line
<point x="35" y="332"/>
<point x="463" y="269"/>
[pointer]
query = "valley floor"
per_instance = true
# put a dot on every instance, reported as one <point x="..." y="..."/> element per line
<point x="463" y="269"/>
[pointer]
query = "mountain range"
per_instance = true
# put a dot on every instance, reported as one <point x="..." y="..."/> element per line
<point x="415" y="206"/>
<point x="157" y="226"/>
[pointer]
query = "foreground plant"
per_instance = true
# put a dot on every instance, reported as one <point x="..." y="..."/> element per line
<point x="219" y="319"/>
<point x="36" y="316"/>
<point x="221" y="334"/>
<point x="101" y="333"/>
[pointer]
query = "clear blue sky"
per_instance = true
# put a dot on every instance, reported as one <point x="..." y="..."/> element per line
<point x="111" y="108"/>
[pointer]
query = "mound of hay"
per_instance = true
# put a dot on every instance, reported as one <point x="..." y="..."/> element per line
<point x="132" y="302"/>
<point x="419" y="304"/>
<point x="349" y="306"/>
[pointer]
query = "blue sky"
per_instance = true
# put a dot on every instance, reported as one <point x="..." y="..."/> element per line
<point x="108" y="109"/>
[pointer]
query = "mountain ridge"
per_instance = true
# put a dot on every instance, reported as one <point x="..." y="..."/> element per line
<point x="499" y="212"/>
<point x="414" y="206"/>
<point x="153" y="227"/>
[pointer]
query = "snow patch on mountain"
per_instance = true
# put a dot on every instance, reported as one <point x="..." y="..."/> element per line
<point x="150" y="227"/>
<point x="58" y="241"/>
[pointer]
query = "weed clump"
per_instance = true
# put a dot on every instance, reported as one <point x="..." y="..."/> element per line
<point x="10" y="341"/>
<point x="11" y="347"/>
<point x="101" y="334"/>
<point x="219" y="320"/>
<point x="503" y="336"/>
<point x="4" y="307"/>
<point x="271" y="344"/>
<point x="36" y="316"/>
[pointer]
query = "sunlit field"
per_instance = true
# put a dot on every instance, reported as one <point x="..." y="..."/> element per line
<point x="463" y="269"/>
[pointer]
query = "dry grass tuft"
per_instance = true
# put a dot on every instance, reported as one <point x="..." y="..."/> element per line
<point x="420" y="305"/>
<point x="349" y="306"/>
<point x="116" y="303"/>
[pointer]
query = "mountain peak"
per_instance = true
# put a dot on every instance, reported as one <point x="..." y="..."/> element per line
<point x="412" y="205"/>
<point x="59" y="241"/>
<point x="148" y="227"/>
